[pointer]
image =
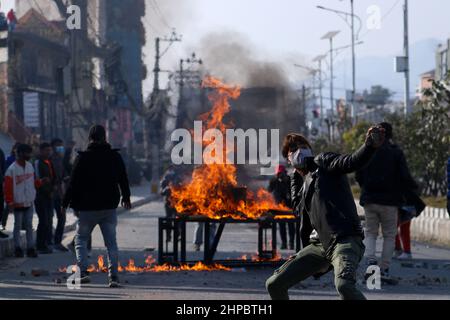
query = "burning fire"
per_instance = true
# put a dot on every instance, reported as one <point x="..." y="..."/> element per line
<point x="210" y="193"/>
<point x="151" y="266"/>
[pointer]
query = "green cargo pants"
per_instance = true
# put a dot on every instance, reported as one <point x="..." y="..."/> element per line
<point x="345" y="258"/>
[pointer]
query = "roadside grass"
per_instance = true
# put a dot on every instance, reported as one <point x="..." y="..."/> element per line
<point x="434" y="202"/>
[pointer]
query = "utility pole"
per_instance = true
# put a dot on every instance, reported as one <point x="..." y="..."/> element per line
<point x="157" y="70"/>
<point x="153" y="127"/>
<point x="344" y="15"/>
<point x="330" y="36"/>
<point x="187" y="76"/>
<point x="406" y="53"/>
<point x="319" y="60"/>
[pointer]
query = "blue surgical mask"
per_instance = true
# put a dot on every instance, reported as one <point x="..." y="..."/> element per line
<point x="60" y="150"/>
<point x="298" y="158"/>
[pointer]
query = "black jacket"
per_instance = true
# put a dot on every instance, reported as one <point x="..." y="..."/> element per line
<point x="96" y="177"/>
<point x="386" y="179"/>
<point x="280" y="187"/>
<point x="326" y="195"/>
<point x="44" y="169"/>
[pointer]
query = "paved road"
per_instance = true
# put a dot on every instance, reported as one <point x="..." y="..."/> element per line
<point x="425" y="278"/>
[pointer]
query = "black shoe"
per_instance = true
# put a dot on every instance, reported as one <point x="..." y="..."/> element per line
<point x="61" y="248"/>
<point x="85" y="278"/>
<point x="31" y="253"/>
<point x="291" y="246"/>
<point x="114" y="282"/>
<point x="3" y="235"/>
<point x="283" y="246"/>
<point x="19" y="253"/>
<point x="44" y="251"/>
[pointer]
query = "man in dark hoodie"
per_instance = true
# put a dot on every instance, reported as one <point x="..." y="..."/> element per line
<point x="98" y="184"/>
<point x="326" y="197"/>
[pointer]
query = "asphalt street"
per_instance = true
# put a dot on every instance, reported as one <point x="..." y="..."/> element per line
<point x="426" y="277"/>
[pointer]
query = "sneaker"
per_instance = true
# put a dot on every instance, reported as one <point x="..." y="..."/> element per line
<point x="31" y="253"/>
<point x="113" y="282"/>
<point x="397" y="253"/>
<point x="405" y="256"/>
<point x="18" y="253"/>
<point x="85" y="278"/>
<point x="197" y="247"/>
<point x="44" y="251"/>
<point x="3" y="235"/>
<point x="61" y="248"/>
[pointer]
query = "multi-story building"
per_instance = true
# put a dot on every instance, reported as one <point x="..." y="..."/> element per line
<point x="443" y="60"/>
<point x="34" y="58"/>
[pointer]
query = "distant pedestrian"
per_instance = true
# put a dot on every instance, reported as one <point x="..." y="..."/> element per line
<point x="448" y="186"/>
<point x="12" y="156"/>
<point x="57" y="161"/>
<point x="12" y="20"/>
<point x="20" y="194"/>
<point x="98" y="184"/>
<point x="280" y="187"/>
<point x="44" y="199"/>
<point x="413" y="207"/>
<point x="9" y="161"/>
<point x="171" y="178"/>
<point x="2" y="197"/>
<point x="383" y="183"/>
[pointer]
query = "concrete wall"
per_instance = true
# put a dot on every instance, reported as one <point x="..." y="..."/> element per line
<point x="432" y="226"/>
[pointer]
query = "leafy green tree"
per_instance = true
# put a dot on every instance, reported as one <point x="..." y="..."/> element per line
<point x="355" y="137"/>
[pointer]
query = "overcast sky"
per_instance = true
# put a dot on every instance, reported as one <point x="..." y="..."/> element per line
<point x="280" y="27"/>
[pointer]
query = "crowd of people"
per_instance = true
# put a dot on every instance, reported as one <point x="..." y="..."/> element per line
<point x="34" y="179"/>
<point x="48" y="180"/>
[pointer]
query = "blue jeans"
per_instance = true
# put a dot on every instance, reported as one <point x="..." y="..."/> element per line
<point x="23" y="217"/>
<point x="88" y="220"/>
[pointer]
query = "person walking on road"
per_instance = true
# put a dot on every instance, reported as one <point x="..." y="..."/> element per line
<point x="57" y="161"/>
<point x="20" y="194"/>
<point x="448" y="186"/>
<point x="99" y="182"/>
<point x="383" y="184"/>
<point x="2" y="196"/>
<point x="44" y="199"/>
<point x="326" y="197"/>
<point x="280" y="187"/>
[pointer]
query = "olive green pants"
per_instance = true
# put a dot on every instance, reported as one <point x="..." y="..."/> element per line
<point x="345" y="258"/>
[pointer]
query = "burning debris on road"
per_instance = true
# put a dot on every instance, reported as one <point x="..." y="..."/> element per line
<point x="152" y="267"/>
<point x="214" y="191"/>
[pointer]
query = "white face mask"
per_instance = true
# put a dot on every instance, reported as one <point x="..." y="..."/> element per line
<point x="298" y="158"/>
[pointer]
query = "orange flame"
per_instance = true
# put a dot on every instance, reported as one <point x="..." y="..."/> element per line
<point x="208" y="194"/>
<point x="150" y="266"/>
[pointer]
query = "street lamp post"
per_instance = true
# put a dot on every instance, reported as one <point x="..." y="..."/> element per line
<point x="330" y="36"/>
<point x="352" y="16"/>
<point x="319" y="60"/>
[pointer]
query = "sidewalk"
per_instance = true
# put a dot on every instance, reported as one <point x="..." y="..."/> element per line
<point x="140" y="196"/>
